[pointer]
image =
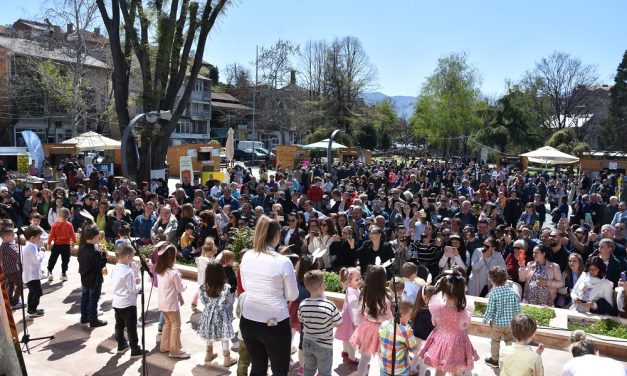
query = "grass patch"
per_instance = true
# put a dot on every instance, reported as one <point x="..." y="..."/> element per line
<point x="543" y="315"/>
<point x="604" y="327"/>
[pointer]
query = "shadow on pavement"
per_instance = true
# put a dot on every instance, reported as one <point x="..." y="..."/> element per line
<point x="74" y="298"/>
<point x="117" y="365"/>
<point x="68" y="341"/>
<point x="211" y="369"/>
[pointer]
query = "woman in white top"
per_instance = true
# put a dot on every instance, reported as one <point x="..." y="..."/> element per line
<point x="270" y="282"/>
<point x="319" y="245"/>
<point x="592" y="292"/>
<point x="586" y="360"/>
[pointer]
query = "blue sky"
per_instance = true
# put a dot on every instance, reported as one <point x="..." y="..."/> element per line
<point x="404" y="38"/>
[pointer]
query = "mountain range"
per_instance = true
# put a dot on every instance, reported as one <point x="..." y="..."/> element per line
<point x="404" y="105"/>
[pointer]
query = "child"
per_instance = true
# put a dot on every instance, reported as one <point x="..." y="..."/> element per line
<point x="304" y="264"/>
<point x="35" y="220"/>
<point x="208" y="253"/>
<point x="124" y="234"/>
<point x="32" y="256"/>
<point x="404" y="344"/>
<point x="409" y="271"/>
<point x="170" y="296"/>
<point x="421" y="323"/>
<point x="91" y="261"/>
<point x="351" y="279"/>
<point x="125" y="289"/>
<point x="227" y="259"/>
<point x="448" y="348"/>
<point x="376" y="307"/>
<point x="216" y="323"/>
<point x="519" y="359"/>
<point x="10" y="263"/>
<point x="187" y="239"/>
<point x="319" y="316"/>
<point x="62" y="238"/>
<point x="503" y="305"/>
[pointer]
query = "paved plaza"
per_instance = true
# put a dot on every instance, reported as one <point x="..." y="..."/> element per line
<point x="79" y="350"/>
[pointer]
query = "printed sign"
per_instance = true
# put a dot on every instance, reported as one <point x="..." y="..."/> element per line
<point x="105" y="168"/>
<point x="186" y="170"/>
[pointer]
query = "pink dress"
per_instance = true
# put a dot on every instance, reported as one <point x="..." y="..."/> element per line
<point x="349" y="315"/>
<point x="366" y="335"/>
<point x="448" y="347"/>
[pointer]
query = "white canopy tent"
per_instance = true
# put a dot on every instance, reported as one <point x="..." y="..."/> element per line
<point x="323" y="145"/>
<point x="549" y="156"/>
<point x="93" y="141"/>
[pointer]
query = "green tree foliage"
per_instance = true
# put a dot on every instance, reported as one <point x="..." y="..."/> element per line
<point x="367" y="137"/>
<point x="512" y="123"/>
<point x="385" y="122"/>
<point x="448" y="101"/>
<point x="565" y="140"/>
<point x="214" y="74"/>
<point x="614" y="129"/>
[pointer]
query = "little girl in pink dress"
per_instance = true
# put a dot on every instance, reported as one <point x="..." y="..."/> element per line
<point x="448" y="348"/>
<point x="351" y="278"/>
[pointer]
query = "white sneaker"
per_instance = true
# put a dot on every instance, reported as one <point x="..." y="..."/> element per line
<point x="63" y="278"/>
<point x="100" y="313"/>
<point x="50" y="277"/>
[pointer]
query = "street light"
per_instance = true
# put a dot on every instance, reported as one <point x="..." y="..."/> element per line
<point x="151" y="117"/>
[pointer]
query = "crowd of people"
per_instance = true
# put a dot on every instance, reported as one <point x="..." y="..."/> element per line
<point x="449" y="229"/>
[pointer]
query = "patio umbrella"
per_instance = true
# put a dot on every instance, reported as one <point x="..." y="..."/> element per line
<point x="230" y="145"/>
<point x="549" y="156"/>
<point x="93" y="141"/>
<point x="323" y="145"/>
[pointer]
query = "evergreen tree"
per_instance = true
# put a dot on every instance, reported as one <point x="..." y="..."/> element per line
<point x="613" y="135"/>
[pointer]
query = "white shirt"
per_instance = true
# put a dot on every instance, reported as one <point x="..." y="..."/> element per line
<point x="270" y="282"/>
<point x="31" y="262"/>
<point x="170" y="285"/>
<point x="215" y="192"/>
<point x="593" y="365"/>
<point x="125" y="289"/>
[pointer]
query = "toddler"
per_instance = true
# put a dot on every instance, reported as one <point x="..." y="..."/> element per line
<point x="409" y="271"/>
<point x="351" y="279"/>
<point x="404" y="345"/>
<point x="208" y="253"/>
<point x="61" y="238"/>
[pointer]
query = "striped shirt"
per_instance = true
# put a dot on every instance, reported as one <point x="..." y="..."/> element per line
<point x="405" y="343"/>
<point x="503" y="305"/>
<point x="319" y="316"/>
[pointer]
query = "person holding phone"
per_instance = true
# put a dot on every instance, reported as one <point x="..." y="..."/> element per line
<point x="343" y="249"/>
<point x="542" y="278"/>
<point x="592" y="292"/>
<point x="453" y="252"/>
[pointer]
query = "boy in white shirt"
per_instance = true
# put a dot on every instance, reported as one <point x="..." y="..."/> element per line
<point x="409" y="271"/>
<point x="32" y="256"/>
<point x="125" y="289"/>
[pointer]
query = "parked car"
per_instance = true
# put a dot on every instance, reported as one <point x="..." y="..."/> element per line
<point x="247" y="155"/>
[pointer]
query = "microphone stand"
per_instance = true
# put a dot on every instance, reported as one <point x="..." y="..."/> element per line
<point x="396" y="318"/>
<point x="25" y="336"/>
<point x="144" y="268"/>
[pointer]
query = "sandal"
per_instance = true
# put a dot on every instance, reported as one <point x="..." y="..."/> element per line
<point x="183" y="355"/>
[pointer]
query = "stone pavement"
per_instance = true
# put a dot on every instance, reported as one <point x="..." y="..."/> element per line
<point x="79" y="350"/>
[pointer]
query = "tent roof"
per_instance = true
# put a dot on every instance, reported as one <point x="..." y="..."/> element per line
<point x="549" y="156"/>
<point x="93" y="141"/>
<point x="323" y="145"/>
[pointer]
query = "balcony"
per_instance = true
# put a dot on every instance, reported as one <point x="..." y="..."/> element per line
<point x="202" y="96"/>
<point x="199" y="114"/>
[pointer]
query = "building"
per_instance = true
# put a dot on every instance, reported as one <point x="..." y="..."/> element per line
<point x="25" y="102"/>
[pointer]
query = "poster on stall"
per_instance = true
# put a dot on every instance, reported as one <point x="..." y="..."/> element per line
<point x="105" y="168"/>
<point x="187" y="170"/>
<point x="22" y="163"/>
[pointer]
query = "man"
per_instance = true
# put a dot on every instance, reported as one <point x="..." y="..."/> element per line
<point x="402" y="252"/>
<point x="412" y="185"/>
<point x="559" y="254"/>
<point x="310" y="212"/>
<point x="466" y="214"/>
<point x="614" y="266"/>
<point x="621" y="214"/>
<point x="610" y="210"/>
<point x="483" y="228"/>
<point x="227" y="199"/>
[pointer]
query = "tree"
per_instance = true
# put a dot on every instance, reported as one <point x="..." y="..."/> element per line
<point x="385" y="122"/>
<point x="447" y="105"/>
<point x="161" y="36"/>
<point x="565" y="140"/>
<point x="558" y="85"/>
<point x="511" y="123"/>
<point x="312" y="63"/>
<point x="613" y="135"/>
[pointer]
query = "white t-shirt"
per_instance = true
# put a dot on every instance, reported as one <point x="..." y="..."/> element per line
<point x="270" y="282"/>
<point x="593" y="365"/>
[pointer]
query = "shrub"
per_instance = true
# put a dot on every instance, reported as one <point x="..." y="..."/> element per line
<point x="332" y="282"/>
<point x="240" y="239"/>
<point x="605" y="327"/>
<point x="543" y="315"/>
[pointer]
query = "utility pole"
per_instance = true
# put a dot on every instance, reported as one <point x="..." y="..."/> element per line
<point x="255" y="100"/>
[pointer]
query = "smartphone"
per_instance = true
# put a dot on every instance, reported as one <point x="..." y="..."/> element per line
<point x="623" y="276"/>
<point x="521" y="255"/>
<point x="587" y="218"/>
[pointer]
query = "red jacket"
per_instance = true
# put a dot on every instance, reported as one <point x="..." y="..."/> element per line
<point x="62" y="233"/>
<point x="315" y="193"/>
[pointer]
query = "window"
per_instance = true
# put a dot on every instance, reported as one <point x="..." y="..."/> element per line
<point x="19" y="140"/>
<point x="199" y="85"/>
<point x="184" y="126"/>
<point x="200" y="127"/>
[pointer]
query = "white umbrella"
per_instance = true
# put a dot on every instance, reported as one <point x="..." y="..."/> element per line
<point x="230" y="145"/>
<point x="93" y="141"/>
<point x="323" y="145"/>
<point x="549" y="156"/>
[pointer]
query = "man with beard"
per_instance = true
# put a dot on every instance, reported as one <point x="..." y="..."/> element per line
<point x="558" y="254"/>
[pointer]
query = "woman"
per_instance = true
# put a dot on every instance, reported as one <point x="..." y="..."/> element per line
<point x="181" y="197"/>
<point x="342" y="221"/>
<point x="291" y="235"/>
<point x="319" y="245"/>
<point x="455" y="254"/>
<point x="592" y="292"/>
<point x="570" y="276"/>
<point x="115" y="218"/>
<point x="115" y="197"/>
<point x="529" y="216"/>
<point x="342" y="250"/>
<point x="270" y="282"/>
<point x="586" y="360"/>
<point x="543" y="278"/>
<point x="481" y="262"/>
<point x="578" y="215"/>
<point x="428" y="251"/>
<point x="101" y="217"/>
<point x="186" y="216"/>
<point x="374" y="248"/>
<point x="53" y="213"/>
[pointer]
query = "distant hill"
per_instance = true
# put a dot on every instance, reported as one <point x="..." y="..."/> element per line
<point x="404" y="105"/>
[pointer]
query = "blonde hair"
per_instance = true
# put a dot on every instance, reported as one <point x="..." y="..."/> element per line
<point x="64" y="213"/>
<point x="226" y="257"/>
<point x="265" y="231"/>
<point x="346" y="274"/>
<point x="209" y="247"/>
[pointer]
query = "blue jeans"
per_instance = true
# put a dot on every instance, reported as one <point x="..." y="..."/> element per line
<point x="317" y="357"/>
<point x="89" y="302"/>
<point x="405" y="373"/>
<point x="161" y="321"/>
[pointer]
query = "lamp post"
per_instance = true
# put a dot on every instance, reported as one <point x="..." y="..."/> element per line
<point x="151" y="117"/>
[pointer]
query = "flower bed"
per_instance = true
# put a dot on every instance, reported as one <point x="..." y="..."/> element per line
<point x="542" y="315"/>
<point x="604" y="327"/>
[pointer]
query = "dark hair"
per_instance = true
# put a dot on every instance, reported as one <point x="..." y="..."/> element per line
<point x="305" y="264"/>
<point x="545" y="249"/>
<point x="88" y="233"/>
<point x="580" y="346"/>
<point x="215" y="278"/>
<point x="421" y="303"/>
<point x="600" y="264"/>
<point x="124" y="229"/>
<point x="32" y="231"/>
<point x="166" y="260"/>
<point x="189" y="226"/>
<point x="374" y="296"/>
<point x="453" y="284"/>
<point x="523" y="326"/>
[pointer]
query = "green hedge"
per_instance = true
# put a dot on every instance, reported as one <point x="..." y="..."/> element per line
<point x="605" y="327"/>
<point x="543" y="315"/>
<point x="332" y="282"/>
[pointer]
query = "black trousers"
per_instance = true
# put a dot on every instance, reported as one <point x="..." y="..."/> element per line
<point x="62" y="250"/>
<point x="34" y="294"/>
<point x="14" y="287"/>
<point x="263" y="342"/>
<point x="126" y="318"/>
